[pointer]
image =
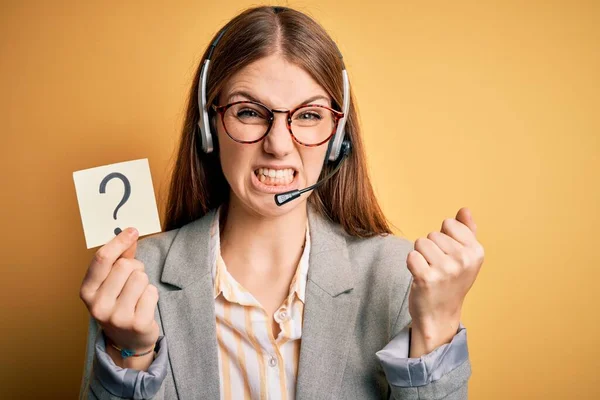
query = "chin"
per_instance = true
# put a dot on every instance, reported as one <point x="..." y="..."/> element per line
<point x="268" y="208"/>
<point x="263" y="205"/>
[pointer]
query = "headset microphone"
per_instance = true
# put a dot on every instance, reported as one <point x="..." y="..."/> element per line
<point x="286" y="197"/>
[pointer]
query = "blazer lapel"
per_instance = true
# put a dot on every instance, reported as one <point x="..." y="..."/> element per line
<point x="188" y="314"/>
<point x="329" y="313"/>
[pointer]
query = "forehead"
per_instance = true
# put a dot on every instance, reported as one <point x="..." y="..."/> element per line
<point x="275" y="82"/>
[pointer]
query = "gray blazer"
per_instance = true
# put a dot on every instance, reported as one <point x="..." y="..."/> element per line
<point x="355" y="338"/>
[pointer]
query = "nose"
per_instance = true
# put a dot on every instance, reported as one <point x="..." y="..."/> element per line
<point x="279" y="141"/>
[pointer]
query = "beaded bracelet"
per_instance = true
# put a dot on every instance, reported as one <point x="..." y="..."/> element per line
<point x="130" y="353"/>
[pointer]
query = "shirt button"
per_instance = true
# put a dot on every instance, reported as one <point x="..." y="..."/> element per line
<point x="283" y="315"/>
<point x="272" y="362"/>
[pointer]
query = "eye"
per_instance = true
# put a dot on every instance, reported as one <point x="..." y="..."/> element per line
<point x="247" y="113"/>
<point x="310" y="115"/>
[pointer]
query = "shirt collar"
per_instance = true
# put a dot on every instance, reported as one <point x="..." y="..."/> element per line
<point x="222" y="281"/>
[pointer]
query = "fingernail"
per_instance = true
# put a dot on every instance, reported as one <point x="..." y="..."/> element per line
<point x="133" y="232"/>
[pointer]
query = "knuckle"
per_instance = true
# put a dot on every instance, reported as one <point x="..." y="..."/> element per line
<point x="411" y="256"/>
<point x="419" y="242"/>
<point x="480" y="252"/>
<point x="100" y="312"/>
<point x="454" y="272"/>
<point x="84" y="295"/>
<point x="139" y="325"/>
<point x="100" y="256"/>
<point x="464" y="259"/>
<point x="434" y="280"/>
<point x="140" y="276"/>
<point x="119" y="320"/>
<point x="447" y="223"/>
<point x="137" y="264"/>
<point x="459" y="257"/>
<point x="152" y="290"/>
<point x="123" y="265"/>
<point x="423" y="281"/>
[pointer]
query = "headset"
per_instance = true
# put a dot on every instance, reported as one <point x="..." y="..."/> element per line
<point x="337" y="150"/>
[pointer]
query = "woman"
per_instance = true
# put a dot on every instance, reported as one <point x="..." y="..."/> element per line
<point x="261" y="296"/>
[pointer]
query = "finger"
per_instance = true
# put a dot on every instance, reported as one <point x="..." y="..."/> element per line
<point x="458" y="231"/>
<point x="430" y="251"/>
<point x="146" y="305"/>
<point x="132" y="291"/>
<point x="114" y="284"/>
<point x="130" y="252"/>
<point x="465" y="216"/>
<point x="417" y="265"/>
<point x="105" y="257"/>
<point x="447" y="244"/>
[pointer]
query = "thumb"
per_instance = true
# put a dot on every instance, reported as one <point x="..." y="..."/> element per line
<point x="130" y="252"/>
<point x="464" y="216"/>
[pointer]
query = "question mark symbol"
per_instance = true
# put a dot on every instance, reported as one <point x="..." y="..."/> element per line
<point x="125" y="195"/>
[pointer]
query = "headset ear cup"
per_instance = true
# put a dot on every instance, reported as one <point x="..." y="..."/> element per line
<point x="344" y="151"/>
<point x="327" y="153"/>
<point x="346" y="148"/>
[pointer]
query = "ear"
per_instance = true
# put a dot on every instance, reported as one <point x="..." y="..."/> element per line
<point x="213" y="127"/>
<point x="213" y="130"/>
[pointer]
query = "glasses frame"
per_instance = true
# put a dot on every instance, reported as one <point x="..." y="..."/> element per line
<point x="222" y="109"/>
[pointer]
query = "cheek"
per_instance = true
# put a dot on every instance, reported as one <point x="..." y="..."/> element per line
<point x="313" y="164"/>
<point x="236" y="161"/>
<point x="233" y="158"/>
<point x="227" y="163"/>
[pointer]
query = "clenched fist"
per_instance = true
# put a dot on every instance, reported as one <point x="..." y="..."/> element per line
<point x="444" y="266"/>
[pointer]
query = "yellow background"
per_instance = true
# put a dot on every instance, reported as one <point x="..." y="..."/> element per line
<point x="490" y="105"/>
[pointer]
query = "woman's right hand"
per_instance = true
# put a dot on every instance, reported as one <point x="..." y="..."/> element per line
<point x="117" y="294"/>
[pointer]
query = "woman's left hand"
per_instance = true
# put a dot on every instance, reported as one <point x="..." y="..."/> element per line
<point x="444" y="267"/>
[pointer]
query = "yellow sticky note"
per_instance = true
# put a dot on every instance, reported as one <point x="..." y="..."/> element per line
<point x="114" y="197"/>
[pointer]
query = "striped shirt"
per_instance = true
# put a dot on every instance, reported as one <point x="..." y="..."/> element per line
<point x="252" y="363"/>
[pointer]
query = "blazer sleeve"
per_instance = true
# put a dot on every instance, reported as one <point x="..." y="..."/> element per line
<point x="441" y="374"/>
<point x="104" y="380"/>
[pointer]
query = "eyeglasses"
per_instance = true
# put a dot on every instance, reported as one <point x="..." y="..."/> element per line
<point x="249" y="122"/>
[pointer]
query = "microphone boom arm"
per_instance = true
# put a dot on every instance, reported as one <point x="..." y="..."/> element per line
<point x="286" y="197"/>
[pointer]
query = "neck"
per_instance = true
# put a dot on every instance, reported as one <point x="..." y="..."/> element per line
<point x="260" y="244"/>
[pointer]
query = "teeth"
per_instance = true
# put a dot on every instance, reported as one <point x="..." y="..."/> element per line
<point x="275" y="177"/>
<point x="273" y="173"/>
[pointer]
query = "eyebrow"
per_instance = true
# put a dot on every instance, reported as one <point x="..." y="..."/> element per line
<point x="247" y="95"/>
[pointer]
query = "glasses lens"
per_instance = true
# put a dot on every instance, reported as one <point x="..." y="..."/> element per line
<point x="312" y="124"/>
<point x="246" y="121"/>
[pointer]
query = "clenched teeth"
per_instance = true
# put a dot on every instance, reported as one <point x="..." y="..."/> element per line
<point x="275" y="177"/>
